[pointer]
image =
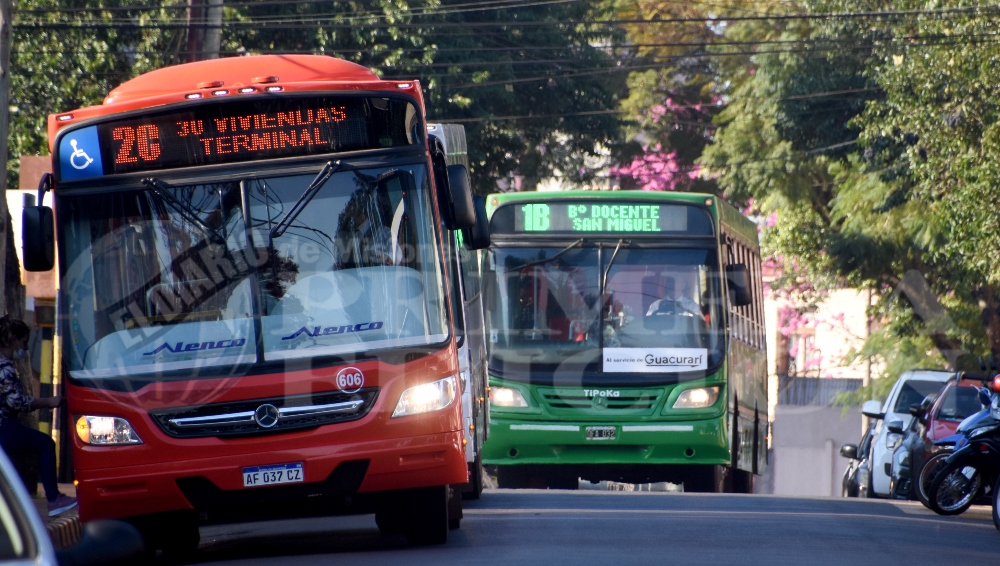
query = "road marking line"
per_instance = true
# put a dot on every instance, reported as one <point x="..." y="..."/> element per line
<point x="577" y="512"/>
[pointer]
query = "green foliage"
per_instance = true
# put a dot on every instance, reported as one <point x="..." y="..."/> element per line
<point x="58" y="69"/>
<point x="894" y="355"/>
<point x="459" y="55"/>
<point x="877" y="158"/>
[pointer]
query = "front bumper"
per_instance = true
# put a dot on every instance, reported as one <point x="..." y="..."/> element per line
<point x="513" y="442"/>
<point x="331" y="471"/>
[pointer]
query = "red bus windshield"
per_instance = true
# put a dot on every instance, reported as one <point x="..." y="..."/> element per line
<point x="171" y="278"/>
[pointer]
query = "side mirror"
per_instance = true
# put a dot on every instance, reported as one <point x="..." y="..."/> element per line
<point x="478" y="236"/>
<point x="849" y="451"/>
<point x="984" y="397"/>
<point x="106" y="543"/>
<point x="872" y="409"/>
<point x="38" y="231"/>
<point x="895" y="427"/>
<point x="738" y="277"/>
<point x="463" y="210"/>
<point x="917" y="409"/>
<point x="38" y="238"/>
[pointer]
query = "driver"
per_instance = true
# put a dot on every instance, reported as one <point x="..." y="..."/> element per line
<point x="674" y="301"/>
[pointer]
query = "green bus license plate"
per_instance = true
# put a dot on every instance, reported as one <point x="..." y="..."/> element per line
<point x="601" y="432"/>
<point x="273" y="475"/>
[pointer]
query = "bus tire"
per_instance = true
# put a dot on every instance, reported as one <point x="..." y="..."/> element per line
<point x="454" y="507"/>
<point x="475" y="487"/>
<point x="390" y="521"/>
<point x="512" y="477"/>
<point x="706" y="479"/>
<point x="175" y="534"/>
<point x="742" y="481"/>
<point x="563" y="480"/>
<point x="427" y="515"/>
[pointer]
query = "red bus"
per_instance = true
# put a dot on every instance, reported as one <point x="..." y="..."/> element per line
<point x="253" y="309"/>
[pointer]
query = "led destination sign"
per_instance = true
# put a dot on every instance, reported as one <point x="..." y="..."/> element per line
<point x="233" y="131"/>
<point x="602" y="216"/>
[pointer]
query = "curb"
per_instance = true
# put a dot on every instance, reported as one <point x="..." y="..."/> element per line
<point x="64" y="531"/>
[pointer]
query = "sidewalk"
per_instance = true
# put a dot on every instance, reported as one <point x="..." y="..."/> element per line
<point x="65" y="530"/>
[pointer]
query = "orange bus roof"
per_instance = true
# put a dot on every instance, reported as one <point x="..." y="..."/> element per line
<point x="285" y="73"/>
<point x="237" y="72"/>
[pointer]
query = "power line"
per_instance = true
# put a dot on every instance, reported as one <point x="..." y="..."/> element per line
<point x="844" y="44"/>
<point x="485" y="5"/>
<point x="989" y="9"/>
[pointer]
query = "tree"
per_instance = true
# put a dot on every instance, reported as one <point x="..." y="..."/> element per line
<point x="845" y="137"/>
<point x="535" y="98"/>
<point x="671" y="104"/>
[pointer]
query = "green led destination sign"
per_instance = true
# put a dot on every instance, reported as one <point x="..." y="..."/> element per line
<point x="602" y="216"/>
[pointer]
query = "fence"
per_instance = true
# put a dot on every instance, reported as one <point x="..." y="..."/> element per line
<point x="814" y="391"/>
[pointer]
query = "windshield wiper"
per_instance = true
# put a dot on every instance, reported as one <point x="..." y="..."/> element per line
<point x="546" y="260"/>
<point x="189" y="214"/>
<point x="329" y="169"/>
<point x="604" y="277"/>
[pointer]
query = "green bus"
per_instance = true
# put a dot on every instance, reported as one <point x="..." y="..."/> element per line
<point x="625" y="341"/>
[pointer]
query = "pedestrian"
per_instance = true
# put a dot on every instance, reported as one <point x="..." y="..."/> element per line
<point x="14" y="436"/>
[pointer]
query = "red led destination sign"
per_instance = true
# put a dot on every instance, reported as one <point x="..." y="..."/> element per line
<point x="250" y="130"/>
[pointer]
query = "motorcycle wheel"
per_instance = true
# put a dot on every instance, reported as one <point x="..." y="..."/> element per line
<point x="996" y="512"/>
<point x="954" y="489"/>
<point x="926" y="475"/>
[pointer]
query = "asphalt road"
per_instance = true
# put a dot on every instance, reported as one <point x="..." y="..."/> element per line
<point x="594" y="527"/>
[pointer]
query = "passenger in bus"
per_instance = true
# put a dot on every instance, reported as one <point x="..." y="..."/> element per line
<point x="14" y="436"/>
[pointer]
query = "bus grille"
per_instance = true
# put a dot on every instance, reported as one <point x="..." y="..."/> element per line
<point x="636" y="402"/>
<point x="241" y="418"/>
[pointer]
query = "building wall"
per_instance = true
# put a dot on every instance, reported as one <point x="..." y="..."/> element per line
<point x="826" y="335"/>
<point x="806" y="443"/>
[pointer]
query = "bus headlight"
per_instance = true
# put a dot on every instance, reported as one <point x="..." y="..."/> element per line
<point x="506" y="397"/>
<point x="425" y="398"/>
<point x="698" y="398"/>
<point x="105" y="431"/>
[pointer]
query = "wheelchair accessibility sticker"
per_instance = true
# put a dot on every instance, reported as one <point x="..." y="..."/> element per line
<point x="80" y="155"/>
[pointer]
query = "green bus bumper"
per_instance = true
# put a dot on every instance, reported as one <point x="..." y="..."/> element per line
<point x="519" y="441"/>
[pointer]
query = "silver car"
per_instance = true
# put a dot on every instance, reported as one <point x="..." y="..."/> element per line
<point x="24" y="539"/>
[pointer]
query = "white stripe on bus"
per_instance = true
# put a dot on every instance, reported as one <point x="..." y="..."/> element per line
<point x="657" y="428"/>
<point x="567" y="428"/>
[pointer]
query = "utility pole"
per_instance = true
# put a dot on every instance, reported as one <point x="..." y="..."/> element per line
<point x="204" y="29"/>
<point x="213" y="30"/>
<point x="196" y="30"/>
<point x="10" y="270"/>
<point x="6" y="12"/>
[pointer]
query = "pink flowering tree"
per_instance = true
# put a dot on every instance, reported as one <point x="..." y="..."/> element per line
<point x="669" y="133"/>
<point x="658" y="170"/>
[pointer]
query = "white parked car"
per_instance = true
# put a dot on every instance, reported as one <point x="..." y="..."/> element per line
<point x="25" y="541"/>
<point x="911" y="388"/>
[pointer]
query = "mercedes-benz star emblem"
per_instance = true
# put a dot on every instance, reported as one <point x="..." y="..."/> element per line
<point x="266" y="416"/>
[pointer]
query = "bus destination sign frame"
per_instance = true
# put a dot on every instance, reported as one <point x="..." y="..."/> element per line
<point x="602" y="217"/>
<point x="233" y="131"/>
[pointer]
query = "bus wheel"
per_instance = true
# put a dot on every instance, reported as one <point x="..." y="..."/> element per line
<point x="742" y="481"/>
<point x="511" y="477"/>
<point x="175" y="533"/>
<point x="390" y="520"/>
<point x="475" y="487"/>
<point x="706" y="479"/>
<point x="427" y="515"/>
<point x="563" y="480"/>
<point x="454" y="507"/>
